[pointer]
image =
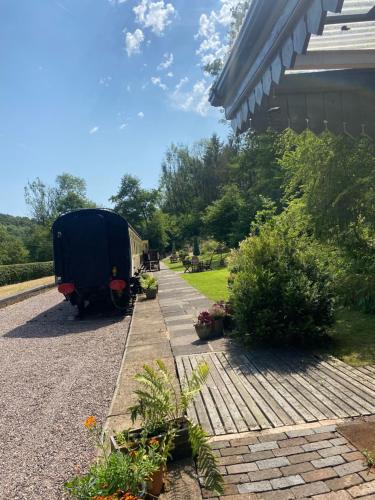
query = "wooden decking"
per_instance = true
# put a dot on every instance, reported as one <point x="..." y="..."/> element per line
<point x="265" y="389"/>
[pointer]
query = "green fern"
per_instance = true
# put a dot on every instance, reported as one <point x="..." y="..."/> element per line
<point x="206" y="460"/>
<point x="160" y="404"/>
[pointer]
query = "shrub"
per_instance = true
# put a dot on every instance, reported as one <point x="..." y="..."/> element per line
<point x="280" y="293"/>
<point x="17" y="273"/>
<point x="148" y="282"/>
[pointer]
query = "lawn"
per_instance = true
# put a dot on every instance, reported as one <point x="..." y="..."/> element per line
<point x="353" y="338"/>
<point x="26" y="285"/>
<point x="212" y="284"/>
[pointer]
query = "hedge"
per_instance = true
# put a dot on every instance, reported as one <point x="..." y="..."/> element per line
<point x="17" y="273"/>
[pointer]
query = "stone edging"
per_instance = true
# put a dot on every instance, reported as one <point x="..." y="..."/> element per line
<point x="18" y="297"/>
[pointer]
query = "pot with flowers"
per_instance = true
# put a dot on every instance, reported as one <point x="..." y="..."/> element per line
<point x="218" y="314"/>
<point x="161" y="408"/>
<point x="204" y="325"/>
<point x="120" y="476"/>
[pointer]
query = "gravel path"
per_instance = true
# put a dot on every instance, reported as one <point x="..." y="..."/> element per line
<point x="54" y="372"/>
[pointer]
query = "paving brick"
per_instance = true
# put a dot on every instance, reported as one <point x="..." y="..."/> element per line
<point x="261" y="475"/>
<point x="328" y="462"/>
<point x="240" y="496"/>
<point x="290" y="470"/>
<point x="259" y="455"/>
<point x="325" y="428"/>
<point x="303" y="457"/>
<point x="238" y="450"/>
<point x="286" y="482"/>
<point x="341" y="483"/>
<point x="236" y="478"/>
<point x="235" y="459"/>
<point x="230" y="489"/>
<point x="216" y="445"/>
<point x="317" y="445"/>
<point x="308" y="490"/>
<point x="339" y="441"/>
<point x="350" y="467"/>
<point x="353" y="455"/>
<point x="272" y="437"/>
<point x="276" y="495"/>
<point x="319" y="475"/>
<point x="334" y="450"/>
<point x="245" y="441"/>
<point x="284" y="452"/>
<point x="368" y="475"/>
<point x="287" y="443"/>
<point x="334" y="495"/>
<point x="362" y="489"/>
<point x="268" y="445"/>
<point x="299" y="433"/>
<point x="240" y="468"/>
<point x="272" y="462"/>
<point x="321" y="436"/>
<point x="255" y="487"/>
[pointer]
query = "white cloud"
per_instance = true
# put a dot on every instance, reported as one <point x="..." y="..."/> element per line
<point x="122" y="126"/>
<point x="168" y="61"/>
<point x="194" y="99"/>
<point x="141" y="115"/>
<point x="154" y="15"/>
<point x="128" y="88"/>
<point x="115" y="2"/>
<point x="93" y="130"/>
<point x="133" y="41"/>
<point x="170" y="74"/>
<point x="213" y="29"/>
<point x="105" y="80"/>
<point x="155" y="80"/>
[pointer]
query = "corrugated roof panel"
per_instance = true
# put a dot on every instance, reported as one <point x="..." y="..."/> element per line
<point x="355" y="7"/>
<point x="350" y="36"/>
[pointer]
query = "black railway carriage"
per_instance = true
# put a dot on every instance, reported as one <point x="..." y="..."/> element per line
<point x="96" y="254"/>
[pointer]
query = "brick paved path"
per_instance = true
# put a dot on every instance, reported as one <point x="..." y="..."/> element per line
<point x="284" y="400"/>
<point x="310" y="462"/>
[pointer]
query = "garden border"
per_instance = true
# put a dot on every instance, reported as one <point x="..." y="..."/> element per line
<point x="19" y="297"/>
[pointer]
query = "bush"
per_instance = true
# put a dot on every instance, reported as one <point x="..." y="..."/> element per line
<point x="280" y="293"/>
<point x="17" y="273"/>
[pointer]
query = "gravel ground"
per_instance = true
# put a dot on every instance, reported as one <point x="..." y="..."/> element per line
<point x="54" y="372"/>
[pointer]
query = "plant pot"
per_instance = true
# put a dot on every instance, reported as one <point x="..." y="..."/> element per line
<point x="156" y="483"/>
<point x="182" y="447"/>
<point x="204" y="332"/>
<point x="218" y="327"/>
<point x="151" y="294"/>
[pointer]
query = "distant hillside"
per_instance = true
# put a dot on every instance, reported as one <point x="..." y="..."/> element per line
<point x="17" y="226"/>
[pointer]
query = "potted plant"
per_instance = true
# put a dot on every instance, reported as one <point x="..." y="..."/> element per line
<point x="218" y="314"/>
<point x="149" y="286"/>
<point x="204" y="325"/>
<point x="122" y="476"/>
<point x="162" y="411"/>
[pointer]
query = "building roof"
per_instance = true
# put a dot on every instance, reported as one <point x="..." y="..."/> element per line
<point x="280" y="38"/>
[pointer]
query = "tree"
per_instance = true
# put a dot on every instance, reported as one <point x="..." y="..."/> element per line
<point x="136" y="204"/>
<point x="196" y="250"/>
<point x="228" y="218"/>
<point x="12" y="250"/>
<point x="48" y="202"/>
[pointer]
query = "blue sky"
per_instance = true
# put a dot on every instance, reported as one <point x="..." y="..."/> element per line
<point x="99" y="88"/>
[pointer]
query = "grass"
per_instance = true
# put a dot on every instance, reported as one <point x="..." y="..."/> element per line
<point x="353" y="338"/>
<point x="212" y="284"/>
<point x="26" y="285"/>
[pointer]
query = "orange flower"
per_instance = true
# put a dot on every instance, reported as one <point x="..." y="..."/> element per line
<point x="90" y="422"/>
<point x="153" y="441"/>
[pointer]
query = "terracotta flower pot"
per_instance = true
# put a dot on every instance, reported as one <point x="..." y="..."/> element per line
<point x="204" y="332"/>
<point x="156" y="483"/>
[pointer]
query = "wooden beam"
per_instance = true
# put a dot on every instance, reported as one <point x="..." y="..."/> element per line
<point x="335" y="59"/>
